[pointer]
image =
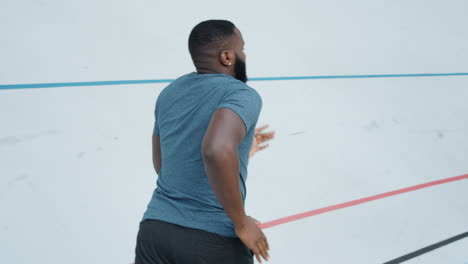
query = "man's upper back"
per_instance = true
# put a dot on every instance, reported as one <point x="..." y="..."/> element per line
<point x="183" y="111"/>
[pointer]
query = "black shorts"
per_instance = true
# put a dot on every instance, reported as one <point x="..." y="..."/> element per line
<point x="164" y="243"/>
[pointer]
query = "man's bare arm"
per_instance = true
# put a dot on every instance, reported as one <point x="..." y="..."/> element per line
<point x="219" y="149"/>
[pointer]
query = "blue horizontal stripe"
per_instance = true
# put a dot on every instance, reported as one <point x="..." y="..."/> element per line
<point x="99" y="83"/>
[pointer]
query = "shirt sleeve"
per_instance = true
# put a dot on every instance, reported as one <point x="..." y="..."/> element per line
<point x="246" y="103"/>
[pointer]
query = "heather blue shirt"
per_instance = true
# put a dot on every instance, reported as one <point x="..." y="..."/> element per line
<point x="183" y="195"/>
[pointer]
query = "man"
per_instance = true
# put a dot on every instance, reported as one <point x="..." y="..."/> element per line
<point x="203" y="136"/>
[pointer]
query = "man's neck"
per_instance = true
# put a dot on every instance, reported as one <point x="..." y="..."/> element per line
<point x="202" y="69"/>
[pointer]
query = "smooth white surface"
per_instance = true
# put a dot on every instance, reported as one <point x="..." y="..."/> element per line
<point x="75" y="163"/>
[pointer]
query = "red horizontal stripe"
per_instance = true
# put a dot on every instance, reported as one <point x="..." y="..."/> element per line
<point x="358" y="201"/>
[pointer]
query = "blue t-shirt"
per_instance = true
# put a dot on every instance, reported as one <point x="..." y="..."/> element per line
<point x="183" y="195"/>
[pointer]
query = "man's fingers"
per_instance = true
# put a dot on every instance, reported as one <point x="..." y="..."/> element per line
<point x="268" y="134"/>
<point x="265" y="136"/>
<point x="263" y="249"/>
<point x="267" y="245"/>
<point x="261" y="252"/>
<point x="263" y="147"/>
<point x="262" y="128"/>
<point x="257" y="255"/>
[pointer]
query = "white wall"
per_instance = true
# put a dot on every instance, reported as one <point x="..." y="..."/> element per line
<point x="75" y="162"/>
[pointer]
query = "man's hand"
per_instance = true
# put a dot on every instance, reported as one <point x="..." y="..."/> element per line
<point x="252" y="236"/>
<point x="259" y="138"/>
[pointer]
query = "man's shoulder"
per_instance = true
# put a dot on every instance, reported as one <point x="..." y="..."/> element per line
<point x="243" y="94"/>
<point x="234" y="84"/>
<point x="241" y="87"/>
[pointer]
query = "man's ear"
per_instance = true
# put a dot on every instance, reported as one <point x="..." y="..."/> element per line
<point x="226" y="58"/>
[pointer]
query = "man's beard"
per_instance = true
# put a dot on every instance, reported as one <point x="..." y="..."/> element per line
<point x="241" y="73"/>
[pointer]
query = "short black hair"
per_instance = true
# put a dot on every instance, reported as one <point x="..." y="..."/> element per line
<point x="209" y="34"/>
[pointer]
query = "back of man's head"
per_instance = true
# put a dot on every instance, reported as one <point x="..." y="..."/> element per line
<point x="209" y="37"/>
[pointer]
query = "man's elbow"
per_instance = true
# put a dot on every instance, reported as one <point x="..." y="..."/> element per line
<point x="216" y="151"/>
